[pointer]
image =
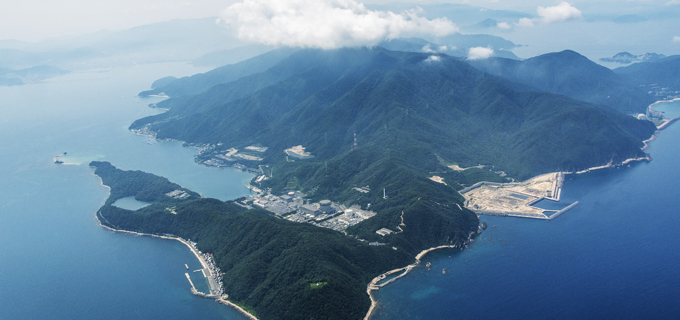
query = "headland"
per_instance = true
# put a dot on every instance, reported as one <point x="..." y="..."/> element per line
<point x="214" y="283"/>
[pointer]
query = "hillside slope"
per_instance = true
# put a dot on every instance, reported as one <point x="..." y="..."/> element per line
<point x="415" y="105"/>
<point x="573" y="75"/>
<point x="655" y="76"/>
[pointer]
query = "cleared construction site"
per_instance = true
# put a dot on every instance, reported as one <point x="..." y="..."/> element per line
<point x="516" y="199"/>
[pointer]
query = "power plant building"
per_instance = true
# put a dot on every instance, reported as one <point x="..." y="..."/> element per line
<point x="316" y="209"/>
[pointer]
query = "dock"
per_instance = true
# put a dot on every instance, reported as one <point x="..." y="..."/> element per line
<point x="556" y="214"/>
<point x="191" y="282"/>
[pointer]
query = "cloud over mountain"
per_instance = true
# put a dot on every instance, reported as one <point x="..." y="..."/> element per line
<point x="479" y="53"/>
<point x="546" y="15"/>
<point x="325" y="24"/>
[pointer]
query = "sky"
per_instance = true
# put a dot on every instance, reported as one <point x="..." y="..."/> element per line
<point x="555" y="25"/>
<point x="33" y="20"/>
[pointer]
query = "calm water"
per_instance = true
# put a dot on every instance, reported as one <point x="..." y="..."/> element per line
<point x="130" y="203"/>
<point x="670" y="109"/>
<point x="55" y="261"/>
<point x="614" y="256"/>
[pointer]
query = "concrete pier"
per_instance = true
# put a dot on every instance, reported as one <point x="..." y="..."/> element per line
<point x="563" y="210"/>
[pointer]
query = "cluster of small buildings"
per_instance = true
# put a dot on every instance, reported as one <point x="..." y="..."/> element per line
<point x="662" y="92"/>
<point x="219" y="158"/>
<point x="347" y="218"/>
<point x="384" y="231"/>
<point x="177" y="194"/>
<point x="214" y="275"/>
<point x="280" y="205"/>
<point x="292" y="207"/>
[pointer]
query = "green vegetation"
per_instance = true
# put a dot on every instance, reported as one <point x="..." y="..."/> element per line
<point x="412" y="115"/>
<point x="573" y="75"/>
<point x="655" y="75"/>
<point x="269" y="263"/>
<point x="404" y="107"/>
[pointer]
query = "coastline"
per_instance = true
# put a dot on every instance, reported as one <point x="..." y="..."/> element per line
<point x="374" y="286"/>
<point x="663" y="101"/>
<point x="659" y="128"/>
<point x="193" y="250"/>
<point x="235" y="166"/>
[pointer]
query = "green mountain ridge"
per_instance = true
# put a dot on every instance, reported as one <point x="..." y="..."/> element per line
<point x="413" y="114"/>
<point x="573" y="75"/>
<point x="655" y="76"/>
<point x="401" y="101"/>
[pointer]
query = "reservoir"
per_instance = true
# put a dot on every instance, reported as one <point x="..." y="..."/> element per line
<point x="130" y="203"/>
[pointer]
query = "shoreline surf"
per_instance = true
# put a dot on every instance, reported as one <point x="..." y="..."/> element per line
<point x="193" y="250"/>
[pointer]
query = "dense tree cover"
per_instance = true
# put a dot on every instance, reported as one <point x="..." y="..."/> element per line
<point x="203" y="81"/>
<point x="269" y="263"/>
<point x="412" y="113"/>
<point x="407" y="104"/>
<point x="143" y="186"/>
<point x="663" y="73"/>
<point x="573" y="75"/>
<point x="431" y="210"/>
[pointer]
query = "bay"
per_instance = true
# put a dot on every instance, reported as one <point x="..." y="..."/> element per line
<point x="614" y="256"/>
<point x="55" y="261"/>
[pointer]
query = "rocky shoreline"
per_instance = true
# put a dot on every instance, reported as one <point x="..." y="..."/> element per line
<point x="204" y="263"/>
<point x="373" y="285"/>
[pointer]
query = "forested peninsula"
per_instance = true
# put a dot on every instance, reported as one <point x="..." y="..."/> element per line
<point x="269" y="264"/>
<point x="370" y="128"/>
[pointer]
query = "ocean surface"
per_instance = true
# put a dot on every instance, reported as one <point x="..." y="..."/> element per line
<point x="613" y="256"/>
<point x="55" y="261"/>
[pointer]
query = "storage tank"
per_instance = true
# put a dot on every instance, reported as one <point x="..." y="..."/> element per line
<point x="325" y="206"/>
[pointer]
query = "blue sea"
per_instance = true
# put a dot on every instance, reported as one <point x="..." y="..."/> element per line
<point x="55" y="261"/>
<point x="613" y="256"/>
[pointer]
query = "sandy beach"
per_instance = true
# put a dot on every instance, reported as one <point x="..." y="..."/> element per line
<point x="193" y="250"/>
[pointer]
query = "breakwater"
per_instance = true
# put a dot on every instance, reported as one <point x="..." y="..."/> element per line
<point x="486" y="183"/>
<point x="220" y="299"/>
<point x="556" y="214"/>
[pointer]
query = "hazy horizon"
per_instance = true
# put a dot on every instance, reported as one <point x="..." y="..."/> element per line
<point x="22" y="21"/>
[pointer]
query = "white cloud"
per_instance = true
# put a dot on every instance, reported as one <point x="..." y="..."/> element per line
<point x="546" y="15"/>
<point x="433" y="59"/>
<point x="503" y="25"/>
<point x="325" y="24"/>
<point x="561" y="12"/>
<point x="676" y="39"/>
<point x="672" y="2"/>
<point x="525" y="22"/>
<point x="479" y="53"/>
<point x="440" y="49"/>
<point x="427" y="49"/>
